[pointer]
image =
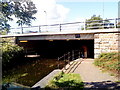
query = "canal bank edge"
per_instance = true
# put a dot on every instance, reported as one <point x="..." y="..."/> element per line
<point x="43" y="82"/>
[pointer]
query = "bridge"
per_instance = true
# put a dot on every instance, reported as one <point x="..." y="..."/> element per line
<point x="90" y="37"/>
<point x="68" y="27"/>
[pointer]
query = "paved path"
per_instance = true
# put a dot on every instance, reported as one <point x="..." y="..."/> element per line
<point x="93" y="77"/>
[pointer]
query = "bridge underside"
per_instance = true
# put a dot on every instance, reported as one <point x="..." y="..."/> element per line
<point x="56" y="48"/>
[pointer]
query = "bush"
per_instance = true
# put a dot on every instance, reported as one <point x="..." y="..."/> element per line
<point x="10" y="54"/>
<point x="107" y="55"/>
<point x="108" y="61"/>
<point x="66" y="81"/>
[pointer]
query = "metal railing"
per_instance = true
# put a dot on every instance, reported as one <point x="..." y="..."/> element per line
<point x="75" y="26"/>
<point x="69" y="56"/>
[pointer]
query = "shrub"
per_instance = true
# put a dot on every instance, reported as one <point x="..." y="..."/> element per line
<point x="108" y="61"/>
<point x="68" y="81"/>
<point x="10" y="54"/>
<point x="107" y="55"/>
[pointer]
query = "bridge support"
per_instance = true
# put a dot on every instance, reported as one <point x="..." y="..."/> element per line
<point x="106" y="42"/>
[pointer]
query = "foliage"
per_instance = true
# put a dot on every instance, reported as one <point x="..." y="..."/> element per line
<point x="94" y="22"/>
<point x="118" y="24"/>
<point x="108" y="61"/>
<point x="3" y="32"/>
<point x="68" y="81"/>
<point x="10" y="53"/>
<point x="22" y="10"/>
<point x="4" y="26"/>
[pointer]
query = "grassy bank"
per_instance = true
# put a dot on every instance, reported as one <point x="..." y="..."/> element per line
<point x="109" y="62"/>
<point x="66" y="81"/>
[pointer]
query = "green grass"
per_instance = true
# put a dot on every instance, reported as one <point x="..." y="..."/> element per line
<point x="66" y="81"/>
<point x="30" y="72"/>
<point x="109" y="62"/>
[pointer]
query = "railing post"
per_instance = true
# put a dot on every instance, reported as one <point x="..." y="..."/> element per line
<point x="40" y="29"/>
<point x="60" y="27"/>
<point x="85" y="25"/>
<point x="103" y="25"/>
<point x="64" y="57"/>
<point x="115" y="24"/>
<point x="58" y="63"/>
<point x="73" y="55"/>
<point x="79" y="53"/>
<point x="22" y="30"/>
<point x="69" y="57"/>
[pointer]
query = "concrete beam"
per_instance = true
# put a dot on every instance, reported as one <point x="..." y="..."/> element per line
<point x="67" y="32"/>
<point x="59" y="37"/>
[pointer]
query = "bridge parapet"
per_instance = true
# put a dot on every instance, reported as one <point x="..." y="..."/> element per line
<point x="68" y="27"/>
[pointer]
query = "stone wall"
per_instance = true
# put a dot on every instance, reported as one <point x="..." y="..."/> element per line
<point x="106" y="42"/>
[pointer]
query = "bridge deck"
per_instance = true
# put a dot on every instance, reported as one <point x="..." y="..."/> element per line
<point x="66" y="32"/>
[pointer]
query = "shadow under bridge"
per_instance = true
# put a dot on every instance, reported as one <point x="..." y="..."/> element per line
<point x="58" y="48"/>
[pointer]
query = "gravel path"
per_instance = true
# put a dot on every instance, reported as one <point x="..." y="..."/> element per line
<point x="95" y="78"/>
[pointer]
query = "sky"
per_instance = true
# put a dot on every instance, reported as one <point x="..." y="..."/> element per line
<point x="61" y="11"/>
<point x="84" y="10"/>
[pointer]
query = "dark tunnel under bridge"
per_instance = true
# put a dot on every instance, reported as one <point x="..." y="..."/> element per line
<point x="56" y="48"/>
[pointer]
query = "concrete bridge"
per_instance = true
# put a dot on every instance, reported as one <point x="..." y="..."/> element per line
<point x="61" y="38"/>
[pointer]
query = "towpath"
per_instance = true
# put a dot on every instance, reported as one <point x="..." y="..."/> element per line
<point x="93" y="77"/>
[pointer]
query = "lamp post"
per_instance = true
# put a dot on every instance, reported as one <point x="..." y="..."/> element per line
<point x="46" y="19"/>
<point x="103" y="14"/>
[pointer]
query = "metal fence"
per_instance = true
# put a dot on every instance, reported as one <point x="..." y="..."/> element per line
<point x="70" y="56"/>
<point x="74" y="54"/>
<point x="75" y="26"/>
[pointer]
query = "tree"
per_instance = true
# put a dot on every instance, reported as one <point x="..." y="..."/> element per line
<point x="11" y="53"/>
<point x="94" y="22"/>
<point x="22" y="10"/>
<point x="4" y="26"/>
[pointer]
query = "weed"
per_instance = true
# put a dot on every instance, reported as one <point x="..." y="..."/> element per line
<point x="69" y="81"/>
<point x="108" y="61"/>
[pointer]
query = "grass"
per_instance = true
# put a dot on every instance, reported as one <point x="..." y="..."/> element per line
<point x="109" y="62"/>
<point x="30" y="72"/>
<point x="66" y="81"/>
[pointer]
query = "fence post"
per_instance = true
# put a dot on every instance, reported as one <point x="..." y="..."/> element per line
<point x="69" y="57"/>
<point x="60" y="27"/>
<point x="58" y="63"/>
<point x="85" y="25"/>
<point x="79" y="53"/>
<point x="22" y="30"/>
<point x="64" y="57"/>
<point x="39" y="29"/>
<point x="73" y="55"/>
<point x="115" y="24"/>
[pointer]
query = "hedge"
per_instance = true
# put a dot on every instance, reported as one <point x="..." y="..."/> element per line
<point x="11" y="54"/>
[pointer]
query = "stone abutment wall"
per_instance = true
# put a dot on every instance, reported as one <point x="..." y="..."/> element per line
<point x="106" y="42"/>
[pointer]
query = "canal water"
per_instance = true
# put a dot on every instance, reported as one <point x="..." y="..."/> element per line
<point x="31" y="71"/>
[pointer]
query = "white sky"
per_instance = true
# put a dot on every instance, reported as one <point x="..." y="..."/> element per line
<point x="49" y="12"/>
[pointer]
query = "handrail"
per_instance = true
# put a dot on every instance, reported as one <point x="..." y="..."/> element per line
<point x="74" y="54"/>
<point x="68" y="55"/>
<point x="69" y="26"/>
